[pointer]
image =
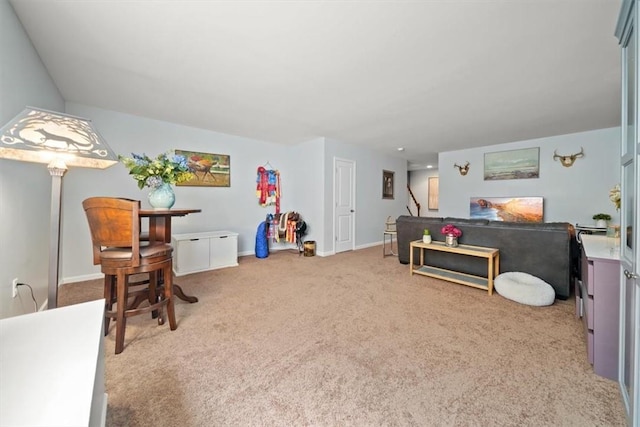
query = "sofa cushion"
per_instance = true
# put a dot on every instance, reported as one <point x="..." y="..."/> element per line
<point x="462" y="221"/>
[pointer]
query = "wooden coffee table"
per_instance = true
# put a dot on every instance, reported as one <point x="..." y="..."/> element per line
<point x="486" y="283"/>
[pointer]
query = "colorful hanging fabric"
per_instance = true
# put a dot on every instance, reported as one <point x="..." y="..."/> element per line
<point x="268" y="187"/>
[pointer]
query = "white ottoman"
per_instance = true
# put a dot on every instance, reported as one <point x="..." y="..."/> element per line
<point x="524" y="288"/>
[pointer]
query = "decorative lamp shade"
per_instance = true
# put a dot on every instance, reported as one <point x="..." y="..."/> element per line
<point x="58" y="140"/>
<point x="43" y="136"/>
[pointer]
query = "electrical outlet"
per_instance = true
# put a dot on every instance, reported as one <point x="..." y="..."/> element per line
<point x="14" y="287"/>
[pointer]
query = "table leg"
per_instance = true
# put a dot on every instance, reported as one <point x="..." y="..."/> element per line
<point x="177" y="291"/>
<point x="490" y="275"/>
<point x="411" y="249"/>
<point x="160" y="230"/>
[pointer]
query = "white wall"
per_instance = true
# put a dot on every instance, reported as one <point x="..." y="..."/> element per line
<point x="234" y="208"/>
<point x="25" y="188"/>
<point x="306" y="187"/>
<point x="419" y="182"/>
<point x="571" y="194"/>
<point x="371" y="209"/>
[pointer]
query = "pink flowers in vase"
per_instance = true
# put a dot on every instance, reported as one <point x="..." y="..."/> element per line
<point x="451" y="230"/>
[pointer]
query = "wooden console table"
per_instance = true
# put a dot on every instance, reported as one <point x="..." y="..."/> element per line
<point x="486" y="283"/>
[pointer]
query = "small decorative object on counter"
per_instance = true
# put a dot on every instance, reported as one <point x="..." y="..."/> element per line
<point x="451" y="233"/>
<point x="426" y="236"/>
<point x="601" y="220"/>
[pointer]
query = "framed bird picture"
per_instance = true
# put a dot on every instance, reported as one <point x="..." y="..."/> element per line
<point x="210" y="170"/>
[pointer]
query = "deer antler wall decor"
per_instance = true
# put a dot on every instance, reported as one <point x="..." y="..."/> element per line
<point x="567" y="161"/>
<point x="462" y="169"/>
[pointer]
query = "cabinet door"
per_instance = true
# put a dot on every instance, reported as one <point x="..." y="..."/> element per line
<point x="192" y="255"/>
<point x="224" y="251"/>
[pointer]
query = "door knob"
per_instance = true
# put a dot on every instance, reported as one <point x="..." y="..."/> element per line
<point x="630" y="275"/>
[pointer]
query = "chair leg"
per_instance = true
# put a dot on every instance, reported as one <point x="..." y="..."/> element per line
<point x="168" y="294"/>
<point x="108" y="301"/>
<point x="121" y="294"/>
<point x="154" y="287"/>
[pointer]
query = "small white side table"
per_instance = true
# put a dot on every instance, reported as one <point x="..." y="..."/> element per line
<point x="390" y="234"/>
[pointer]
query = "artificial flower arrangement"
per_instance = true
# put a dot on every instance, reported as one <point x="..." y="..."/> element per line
<point x="451" y="230"/>
<point x="614" y="196"/>
<point x="164" y="169"/>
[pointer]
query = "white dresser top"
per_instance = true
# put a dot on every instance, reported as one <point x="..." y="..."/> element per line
<point x="601" y="247"/>
<point x="51" y="363"/>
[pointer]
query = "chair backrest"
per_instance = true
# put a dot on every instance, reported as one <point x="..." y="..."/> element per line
<point x="114" y="223"/>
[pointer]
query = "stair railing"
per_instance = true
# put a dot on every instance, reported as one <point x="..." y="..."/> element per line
<point x="414" y="201"/>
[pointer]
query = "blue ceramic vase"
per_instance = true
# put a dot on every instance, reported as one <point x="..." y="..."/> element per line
<point x="162" y="197"/>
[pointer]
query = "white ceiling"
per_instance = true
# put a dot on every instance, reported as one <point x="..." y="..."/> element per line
<point x="429" y="76"/>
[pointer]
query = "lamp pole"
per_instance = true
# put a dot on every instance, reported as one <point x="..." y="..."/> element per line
<point x="57" y="169"/>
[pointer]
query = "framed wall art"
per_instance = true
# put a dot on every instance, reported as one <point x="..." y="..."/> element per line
<point x="211" y="170"/>
<point x="515" y="209"/>
<point x="432" y="199"/>
<point x="387" y="184"/>
<point x="514" y="164"/>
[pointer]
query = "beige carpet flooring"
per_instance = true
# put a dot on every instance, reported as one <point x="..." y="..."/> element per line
<point x="350" y="340"/>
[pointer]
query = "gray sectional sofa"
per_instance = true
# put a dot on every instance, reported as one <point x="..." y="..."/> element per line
<point x="546" y="250"/>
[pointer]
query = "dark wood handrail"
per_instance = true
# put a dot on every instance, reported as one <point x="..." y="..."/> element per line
<point x="414" y="201"/>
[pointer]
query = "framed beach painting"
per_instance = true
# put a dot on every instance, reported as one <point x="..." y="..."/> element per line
<point x="210" y="170"/>
<point x="513" y="164"/>
<point x="515" y="209"/>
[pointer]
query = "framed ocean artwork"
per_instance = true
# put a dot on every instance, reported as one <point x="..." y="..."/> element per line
<point x="513" y="164"/>
<point x="516" y="209"/>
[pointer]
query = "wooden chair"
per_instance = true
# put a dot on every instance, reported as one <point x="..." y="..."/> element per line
<point x="115" y="234"/>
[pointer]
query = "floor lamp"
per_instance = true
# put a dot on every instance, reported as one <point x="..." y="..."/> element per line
<point x="59" y="140"/>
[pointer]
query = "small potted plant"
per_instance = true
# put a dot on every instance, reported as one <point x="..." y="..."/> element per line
<point x="426" y="236"/>
<point x="601" y="219"/>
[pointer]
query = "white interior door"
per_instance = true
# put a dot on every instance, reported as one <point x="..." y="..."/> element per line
<point x="629" y="356"/>
<point x="344" y="202"/>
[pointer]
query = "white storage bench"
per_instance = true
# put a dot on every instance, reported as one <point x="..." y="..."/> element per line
<point x="207" y="250"/>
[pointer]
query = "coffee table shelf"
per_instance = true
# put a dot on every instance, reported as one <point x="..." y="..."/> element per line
<point x="485" y="283"/>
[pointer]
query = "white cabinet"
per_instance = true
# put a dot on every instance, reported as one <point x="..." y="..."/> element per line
<point x="600" y="291"/>
<point x="208" y="250"/>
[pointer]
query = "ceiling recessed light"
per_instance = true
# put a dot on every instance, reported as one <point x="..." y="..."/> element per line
<point x="429" y="166"/>
<point x="400" y="148"/>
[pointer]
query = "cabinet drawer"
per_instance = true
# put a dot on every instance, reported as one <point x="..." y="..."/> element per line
<point x="590" y="276"/>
